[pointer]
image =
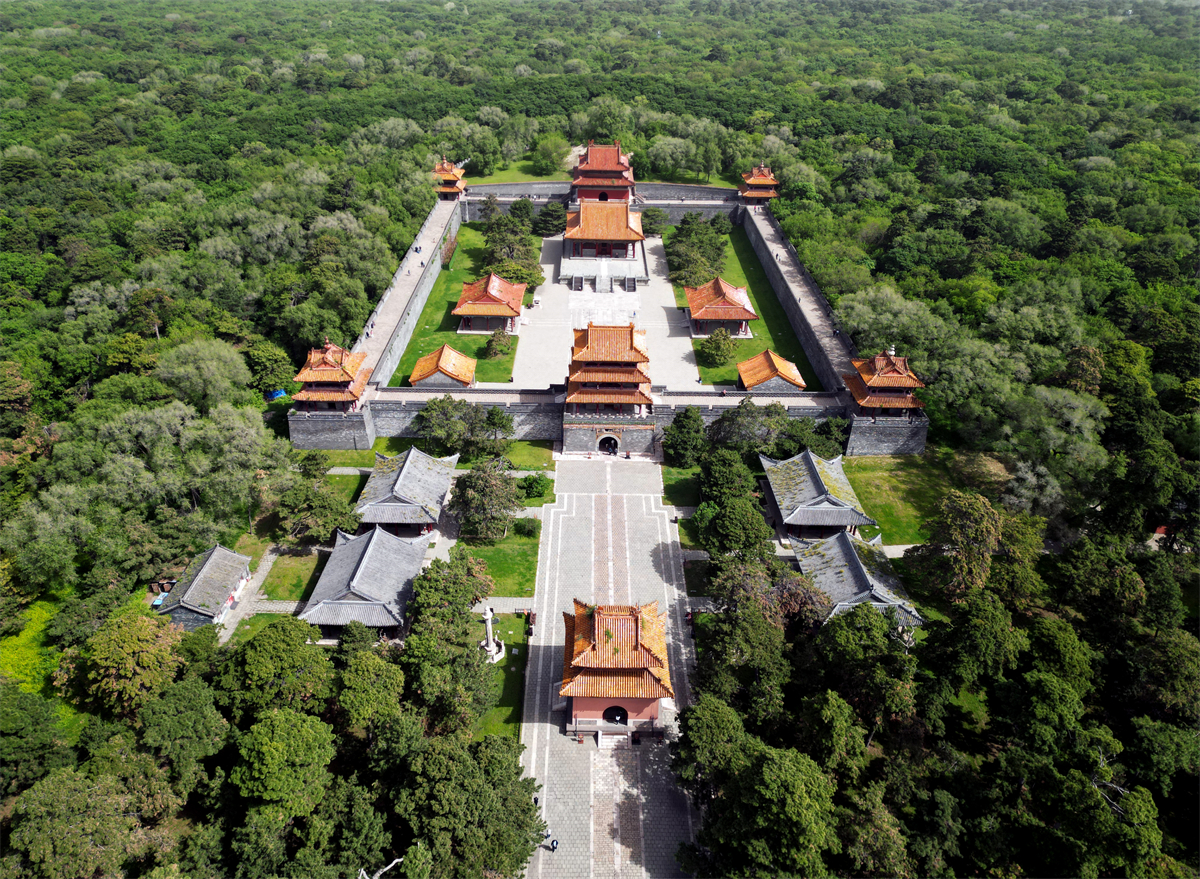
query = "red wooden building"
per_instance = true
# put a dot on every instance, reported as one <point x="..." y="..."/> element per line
<point x="489" y="304"/>
<point x="719" y="304"/>
<point x="603" y="230"/>
<point x="333" y="380"/>
<point x="603" y="174"/>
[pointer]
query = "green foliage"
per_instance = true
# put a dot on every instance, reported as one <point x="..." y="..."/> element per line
<point x="69" y="825"/>
<point x="527" y="527"/>
<point x="684" y="441"/>
<point x="717" y="349"/>
<point x="466" y="428"/>
<point x="535" y="485"/>
<point x="276" y="668"/>
<point x="30" y="745"/>
<point x="126" y="664"/>
<point x="471" y="807"/>
<point x="313" y="511"/>
<point x="371" y="689"/>
<point x="695" y="252"/>
<point x="283" y="760"/>
<point x="550" y="154"/>
<point x="182" y="727"/>
<point x="499" y="344"/>
<point x="270" y="367"/>
<point x="204" y="373"/>
<point x="551" y="220"/>
<point x="485" y="499"/>
<point x="655" y="221"/>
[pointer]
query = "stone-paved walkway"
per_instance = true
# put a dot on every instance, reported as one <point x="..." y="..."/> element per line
<point x="608" y="539"/>
<point x="400" y="291"/>
<point x="250" y="598"/>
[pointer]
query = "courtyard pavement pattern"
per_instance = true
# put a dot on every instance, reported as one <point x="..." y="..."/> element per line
<point x="544" y="352"/>
<point x="607" y="539"/>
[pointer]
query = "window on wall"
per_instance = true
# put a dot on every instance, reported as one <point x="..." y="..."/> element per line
<point x="618" y="251"/>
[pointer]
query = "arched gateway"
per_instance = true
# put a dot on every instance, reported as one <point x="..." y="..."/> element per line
<point x="609" y="445"/>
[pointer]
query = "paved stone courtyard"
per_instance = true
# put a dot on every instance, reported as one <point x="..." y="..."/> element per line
<point x="544" y="353"/>
<point x="606" y="539"/>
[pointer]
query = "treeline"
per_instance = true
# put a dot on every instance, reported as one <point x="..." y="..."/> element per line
<point x="273" y="756"/>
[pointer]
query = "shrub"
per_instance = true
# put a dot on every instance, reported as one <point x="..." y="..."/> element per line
<point x="499" y="343"/>
<point x="721" y="224"/>
<point x="718" y="348"/>
<point x="527" y="527"/>
<point x="535" y="485"/>
<point x="654" y="221"/>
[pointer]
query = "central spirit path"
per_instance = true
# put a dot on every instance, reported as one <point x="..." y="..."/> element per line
<point x="606" y="540"/>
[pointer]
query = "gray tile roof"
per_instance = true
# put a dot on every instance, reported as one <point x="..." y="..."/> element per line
<point x="812" y="491"/>
<point x="407" y="489"/>
<point x="367" y="578"/>
<point x="851" y="571"/>
<point x="208" y="581"/>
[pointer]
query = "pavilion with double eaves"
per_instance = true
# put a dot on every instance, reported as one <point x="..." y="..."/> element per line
<point x="883" y="385"/>
<point x="610" y="370"/>
<point x="615" y="667"/>
<point x="333" y="379"/>
<point x="603" y="173"/>
<point x="448" y="180"/>
<point x="759" y="185"/>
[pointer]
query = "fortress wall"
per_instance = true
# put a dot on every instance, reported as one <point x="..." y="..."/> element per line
<point x="390" y="358"/>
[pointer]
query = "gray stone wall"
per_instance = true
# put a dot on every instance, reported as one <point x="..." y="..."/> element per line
<point x="886" y="436"/>
<point x="390" y="358"/>
<point x="537" y="189"/>
<point x="635" y="439"/>
<point x="675" y="210"/>
<point x="354" y="430"/>
<point x="828" y="377"/>
<point x="531" y="421"/>
<point x="661" y="191"/>
<point x="775" y="385"/>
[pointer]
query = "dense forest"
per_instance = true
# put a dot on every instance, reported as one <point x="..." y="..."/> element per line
<point x="193" y="195"/>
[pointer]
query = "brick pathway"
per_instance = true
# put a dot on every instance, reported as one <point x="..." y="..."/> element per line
<point x="615" y="813"/>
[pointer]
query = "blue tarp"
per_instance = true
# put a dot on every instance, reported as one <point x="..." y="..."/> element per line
<point x="275" y="395"/>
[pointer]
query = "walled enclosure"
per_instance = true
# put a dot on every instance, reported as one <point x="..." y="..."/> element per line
<point x="537" y="416"/>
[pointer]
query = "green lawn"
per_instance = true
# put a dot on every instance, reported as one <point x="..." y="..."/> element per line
<point x="517" y="172"/>
<point x="511" y="562"/>
<point x="293" y="577"/>
<point x="696" y="178"/>
<point x="901" y="492"/>
<point x="437" y="326"/>
<point x="348" y="488"/>
<point x="541" y="501"/>
<point x="251" y="626"/>
<point x="689" y="537"/>
<point x="681" y="486"/>
<point x="772" y="330"/>
<point x="524" y="454"/>
<point x="505" y="718"/>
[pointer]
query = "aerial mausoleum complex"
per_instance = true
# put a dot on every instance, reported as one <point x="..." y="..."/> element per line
<point x="607" y="402"/>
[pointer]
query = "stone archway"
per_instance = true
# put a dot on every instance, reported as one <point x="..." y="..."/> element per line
<point x="604" y="196"/>
<point x="609" y="445"/>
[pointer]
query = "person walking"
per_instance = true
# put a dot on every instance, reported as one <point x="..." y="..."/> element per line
<point x="554" y="845"/>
